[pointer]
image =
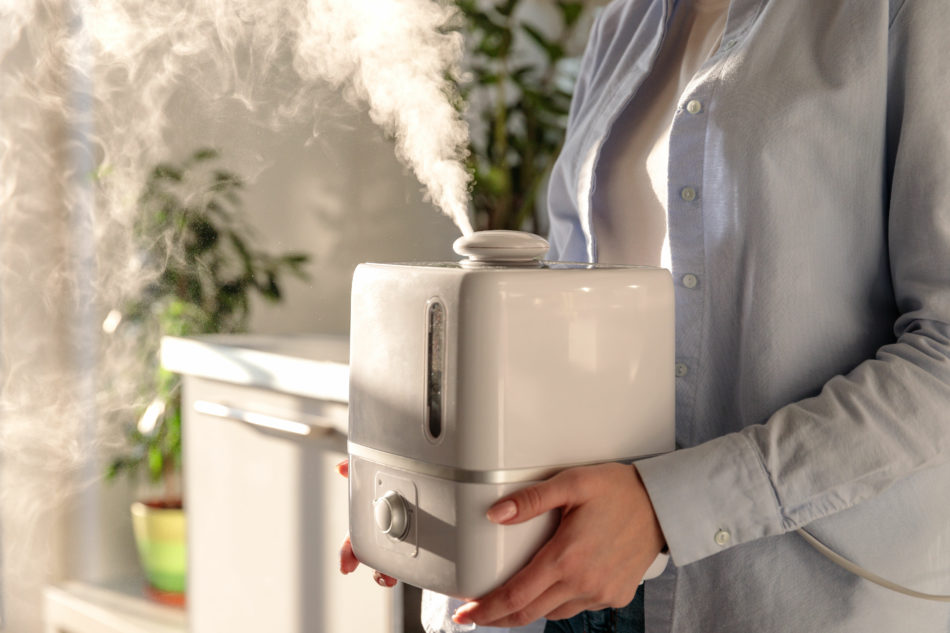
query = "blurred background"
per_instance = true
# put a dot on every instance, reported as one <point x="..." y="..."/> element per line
<point x="219" y="168"/>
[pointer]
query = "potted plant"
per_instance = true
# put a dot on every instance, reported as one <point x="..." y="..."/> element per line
<point x="517" y="87"/>
<point x="190" y="233"/>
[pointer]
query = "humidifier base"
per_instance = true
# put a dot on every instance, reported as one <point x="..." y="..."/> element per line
<point x="432" y="532"/>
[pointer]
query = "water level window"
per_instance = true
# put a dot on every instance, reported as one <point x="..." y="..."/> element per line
<point x="435" y="369"/>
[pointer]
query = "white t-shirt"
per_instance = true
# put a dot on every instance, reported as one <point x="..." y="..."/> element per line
<point x="631" y="226"/>
<point x="630" y="196"/>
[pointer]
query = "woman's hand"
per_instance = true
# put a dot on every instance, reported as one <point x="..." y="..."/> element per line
<point x="348" y="560"/>
<point x="607" y="538"/>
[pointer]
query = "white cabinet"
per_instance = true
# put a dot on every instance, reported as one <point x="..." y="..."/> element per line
<point x="267" y="511"/>
<point x="115" y="607"/>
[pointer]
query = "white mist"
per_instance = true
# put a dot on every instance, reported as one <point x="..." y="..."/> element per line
<point x="92" y="79"/>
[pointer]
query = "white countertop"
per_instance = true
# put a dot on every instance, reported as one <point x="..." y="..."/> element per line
<point x="312" y="365"/>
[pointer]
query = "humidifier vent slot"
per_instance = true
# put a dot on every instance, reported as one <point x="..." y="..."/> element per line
<point x="435" y="369"/>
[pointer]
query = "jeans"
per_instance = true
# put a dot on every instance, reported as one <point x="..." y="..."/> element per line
<point x="628" y="619"/>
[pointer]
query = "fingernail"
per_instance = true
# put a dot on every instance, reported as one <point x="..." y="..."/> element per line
<point x="461" y="618"/>
<point x="502" y="512"/>
<point x="384" y="581"/>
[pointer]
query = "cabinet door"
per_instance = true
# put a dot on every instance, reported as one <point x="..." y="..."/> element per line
<point x="266" y="515"/>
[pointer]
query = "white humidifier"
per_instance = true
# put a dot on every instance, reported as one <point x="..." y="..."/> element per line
<point x="471" y="379"/>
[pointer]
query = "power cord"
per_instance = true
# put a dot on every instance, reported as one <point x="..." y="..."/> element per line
<point x="840" y="560"/>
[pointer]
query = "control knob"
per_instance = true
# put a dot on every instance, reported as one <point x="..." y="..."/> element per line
<point x="391" y="513"/>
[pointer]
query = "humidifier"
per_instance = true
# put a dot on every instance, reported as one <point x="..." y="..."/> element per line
<point x="471" y="379"/>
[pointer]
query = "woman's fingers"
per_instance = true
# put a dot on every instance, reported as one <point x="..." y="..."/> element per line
<point x="349" y="563"/>
<point x="607" y="538"/>
<point x="344" y="467"/>
<point x="348" y="560"/>
<point x="383" y="580"/>
<point x="553" y="600"/>
<point x="527" y="503"/>
<point x="515" y="596"/>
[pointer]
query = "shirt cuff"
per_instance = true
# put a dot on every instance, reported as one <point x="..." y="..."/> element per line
<point x="711" y="497"/>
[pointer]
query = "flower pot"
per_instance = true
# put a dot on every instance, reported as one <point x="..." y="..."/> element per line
<point x="160" y="538"/>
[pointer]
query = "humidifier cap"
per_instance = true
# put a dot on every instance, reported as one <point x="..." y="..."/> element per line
<point x="501" y="247"/>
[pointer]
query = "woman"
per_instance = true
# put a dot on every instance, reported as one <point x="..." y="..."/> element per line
<point x="789" y="161"/>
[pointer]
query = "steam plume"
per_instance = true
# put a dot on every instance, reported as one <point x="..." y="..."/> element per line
<point x="85" y="91"/>
<point x="395" y="55"/>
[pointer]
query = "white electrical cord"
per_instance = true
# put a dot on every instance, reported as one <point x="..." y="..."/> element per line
<point x="840" y="560"/>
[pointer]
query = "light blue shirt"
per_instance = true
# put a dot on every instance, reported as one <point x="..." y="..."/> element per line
<point x="811" y="253"/>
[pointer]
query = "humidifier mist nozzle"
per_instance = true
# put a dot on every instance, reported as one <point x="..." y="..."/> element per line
<point x="501" y="248"/>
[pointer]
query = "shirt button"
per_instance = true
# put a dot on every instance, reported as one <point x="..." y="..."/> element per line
<point x="694" y="106"/>
<point x="722" y="538"/>
<point x="688" y="194"/>
<point x="690" y="280"/>
<point x="681" y="370"/>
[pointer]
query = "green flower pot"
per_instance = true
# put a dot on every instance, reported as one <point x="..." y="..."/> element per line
<point x="160" y="538"/>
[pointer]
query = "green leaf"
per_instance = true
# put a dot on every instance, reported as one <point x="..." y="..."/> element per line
<point x="484" y="22"/>
<point x="553" y="50"/>
<point x="166" y="171"/>
<point x="507" y="7"/>
<point x="270" y="289"/>
<point x="525" y="71"/>
<point x="173" y="429"/>
<point x="113" y="469"/>
<point x="155" y="463"/>
<point x="247" y="259"/>
<point x="488" y="79"/>
<point x="570" y="12"/>
<point x="496" y="43"/>
<point x="226" y="180"/>
<point x="204" y="236"/>
<point x="204" y="154"/>
<point x="496" y="180"/>
<point x="468" y="7"/>
<point x="296" y="262"/>
<point x="295" y="259"/>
